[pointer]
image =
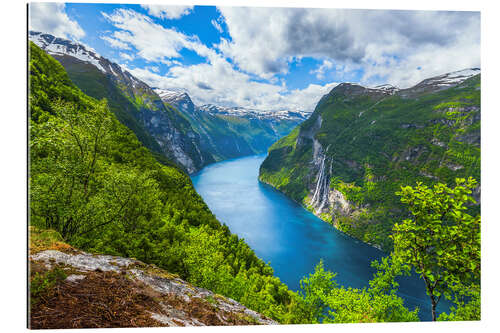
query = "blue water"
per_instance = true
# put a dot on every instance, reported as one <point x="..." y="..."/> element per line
<point x="288" y="237"/>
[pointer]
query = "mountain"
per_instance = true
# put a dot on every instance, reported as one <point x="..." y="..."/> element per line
<point x="275" y="116"/>
<point x="232" y="132"/>
<point x="160" y="128"/>
<point x="361" y="144"/>
<point x="166" y="121"/>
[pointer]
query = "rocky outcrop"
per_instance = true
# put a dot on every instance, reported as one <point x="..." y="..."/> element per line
<point x="110" y="291"/>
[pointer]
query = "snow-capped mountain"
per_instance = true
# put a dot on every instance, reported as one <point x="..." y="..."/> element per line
<point x="253" y="113"/>
<point x="181" y="99"/>
<point x="59" y="46"/>
<point x="440" y="82"/>
<point x="228" y="132"/>
<point x="177" y="98"/>
<point x="388" y="88"/>
<point x="451" y="79"/>
<point x="433" y="84"/>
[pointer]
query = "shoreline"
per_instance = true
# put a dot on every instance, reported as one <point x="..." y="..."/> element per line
<point x="378" y="247"/>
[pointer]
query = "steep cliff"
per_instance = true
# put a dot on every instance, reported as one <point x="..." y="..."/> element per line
<point x="361" y="144"/>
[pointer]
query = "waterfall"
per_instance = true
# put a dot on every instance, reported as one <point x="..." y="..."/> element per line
<point x="320" y="197"/>
<point x="318" y="184"/>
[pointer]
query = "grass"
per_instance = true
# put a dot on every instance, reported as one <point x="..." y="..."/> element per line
<point x="41" y="240"/>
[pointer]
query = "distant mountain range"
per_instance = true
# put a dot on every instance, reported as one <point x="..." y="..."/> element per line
<point x="166" y="121"/>
<point x="231" y="132"/>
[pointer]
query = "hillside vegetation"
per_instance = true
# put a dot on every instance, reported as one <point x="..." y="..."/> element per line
<point x="361" y="145"/>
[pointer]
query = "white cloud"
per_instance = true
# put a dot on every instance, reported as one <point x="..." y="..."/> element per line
<point x="383" y="42"/>
<point x="52" y="18"/>
<point x="152" y="41"/>
<point x="127" y="56"/>
<point x="265" y="41"/>
<point x="115" y="43"/>
<point x="220" y="84"/>
<point x="155" y="69"/>
<point x="217" y="26"/>
<point x="307" y="98"/>
<point x="167" y="12"/>
<point x="216" y="81"/>
<point x="320" y="71"/>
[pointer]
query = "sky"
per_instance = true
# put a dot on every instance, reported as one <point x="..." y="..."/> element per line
<point x="267" y="58"/>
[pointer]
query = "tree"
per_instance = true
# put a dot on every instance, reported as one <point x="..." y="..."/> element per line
<point x="330" y="303"/>
<point x="75" y="188"/>
<point x="467" y="300"/>
<point x="441" y="241"/>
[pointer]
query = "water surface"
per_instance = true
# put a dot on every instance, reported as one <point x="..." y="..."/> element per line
<point x="288" y="237"/>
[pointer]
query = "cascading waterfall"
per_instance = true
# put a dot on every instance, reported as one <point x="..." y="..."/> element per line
<point x="320" y="177"/>
<point x="320" y="197"/>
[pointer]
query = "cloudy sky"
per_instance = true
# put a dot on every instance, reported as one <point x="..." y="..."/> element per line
<point x="267" y="58"/>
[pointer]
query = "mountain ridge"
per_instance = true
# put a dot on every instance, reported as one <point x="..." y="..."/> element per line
<point x="161" y="129"/>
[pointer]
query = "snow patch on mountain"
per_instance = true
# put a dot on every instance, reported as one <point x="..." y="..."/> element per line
<point x="254" y="113"/>
<point x="450" y="79"/>
<point x="388" y="88"/>
<point x="180" y="97"/>
<point x="59" y="46"/>
<point x="454" y="78"/>
<point x="174" y="94"/>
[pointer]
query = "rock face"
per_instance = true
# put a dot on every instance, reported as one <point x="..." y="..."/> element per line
<point x="346" y="161"/>
<point x="90" y="296"/>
